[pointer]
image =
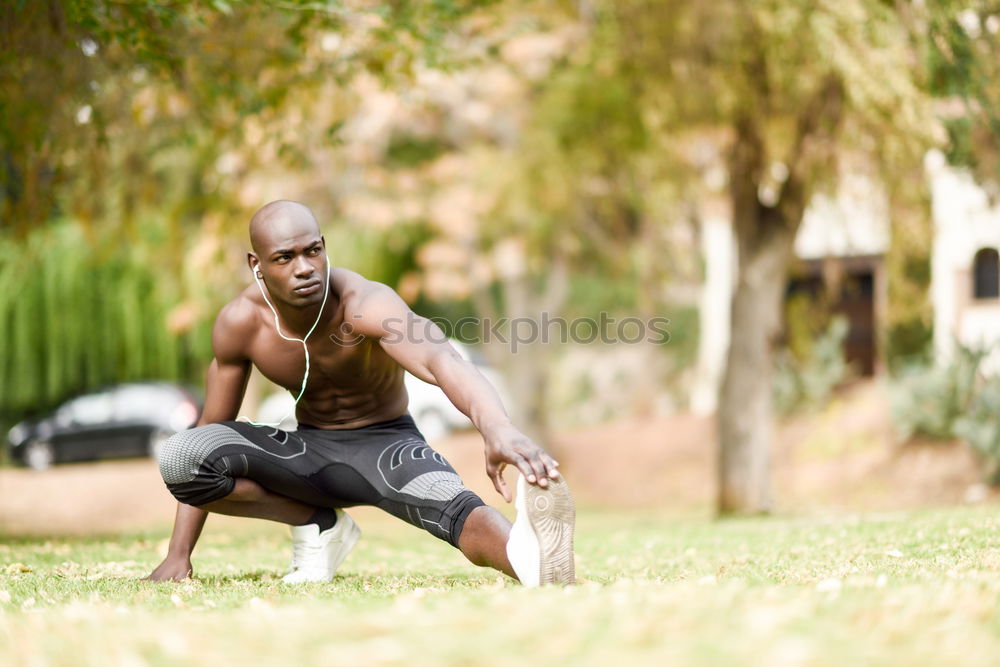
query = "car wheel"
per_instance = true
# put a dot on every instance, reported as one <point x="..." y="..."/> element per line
<point x="432" y="424"/>
<point x="155" y="446"/>
<point x="39" y="455"/>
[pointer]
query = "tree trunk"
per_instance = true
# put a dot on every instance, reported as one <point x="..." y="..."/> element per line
<point x="764" y="238"/>
<point x="744" y="416"/>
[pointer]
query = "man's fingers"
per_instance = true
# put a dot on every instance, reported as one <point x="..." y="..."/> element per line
<point x="501" y="486"/>
<point x="526" y="468"/>
<point x="534" y="464"/>
<point x="496" y="474"/>
<point x="538" y="469"/>
<point x="551" y="466"/>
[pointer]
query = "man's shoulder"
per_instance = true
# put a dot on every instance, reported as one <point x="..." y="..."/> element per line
<point x="355" y="289"/>
<point x="241" y="311"/>
<point x="367" y="303"/>
<point x="237" y="321"/>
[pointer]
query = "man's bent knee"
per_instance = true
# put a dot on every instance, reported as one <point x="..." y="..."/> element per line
<point x="192" y="468"/>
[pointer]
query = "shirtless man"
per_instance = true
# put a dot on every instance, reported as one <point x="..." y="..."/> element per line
<point x="355" y="444"/>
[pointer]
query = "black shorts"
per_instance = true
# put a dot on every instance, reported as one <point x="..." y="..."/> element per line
<point x="388" y="465"/>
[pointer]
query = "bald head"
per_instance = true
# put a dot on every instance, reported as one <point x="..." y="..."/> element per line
<point x="289" y="254"/>
<point x="278" y="221"/>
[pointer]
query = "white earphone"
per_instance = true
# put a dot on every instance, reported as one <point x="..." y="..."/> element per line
<point x="305" y="348"/>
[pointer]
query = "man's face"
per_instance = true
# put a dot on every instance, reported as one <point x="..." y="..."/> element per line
<point x="294" y="267"/>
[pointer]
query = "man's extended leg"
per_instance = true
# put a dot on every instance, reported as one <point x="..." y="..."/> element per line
<point x="538" y="548"/>
<point x="484" y="539"/>
<point x="392" y="467"/>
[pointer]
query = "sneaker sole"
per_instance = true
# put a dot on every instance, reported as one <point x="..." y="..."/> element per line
<point x="552" y="514"/>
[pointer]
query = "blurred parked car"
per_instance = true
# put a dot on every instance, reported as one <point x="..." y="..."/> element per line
<point x="120" y="421"/>
<point x="433" y="413"/>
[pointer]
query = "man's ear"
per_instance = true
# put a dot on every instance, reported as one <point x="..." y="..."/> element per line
<point x="253" y="262"/>
<point x="325" y="253"/>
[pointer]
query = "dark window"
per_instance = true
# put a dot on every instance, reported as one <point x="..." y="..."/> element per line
<point x="986" y="274"/>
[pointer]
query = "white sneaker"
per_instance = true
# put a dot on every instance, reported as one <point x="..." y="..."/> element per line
<point x="317" y="555"/>
<point x="540" y="546"/>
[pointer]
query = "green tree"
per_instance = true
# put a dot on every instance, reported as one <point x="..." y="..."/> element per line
<point x="128" y="135"/>
<point x="786" y="88"/>
<point x="961" y="52"/>
<point x="70" y="71"/>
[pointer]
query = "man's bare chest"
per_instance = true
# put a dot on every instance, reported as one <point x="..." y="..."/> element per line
<point x="330" y="362"/>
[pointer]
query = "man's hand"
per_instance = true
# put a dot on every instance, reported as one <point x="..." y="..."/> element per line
<point x="506" y="446"/>
<point x="173" y="568"/>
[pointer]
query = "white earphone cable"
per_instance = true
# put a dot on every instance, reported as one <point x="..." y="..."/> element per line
<point x="305" y="348"/>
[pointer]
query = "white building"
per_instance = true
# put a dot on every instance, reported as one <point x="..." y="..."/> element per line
<point x="965" y="265"/>
<point x="839" y="249"/>
<point x="846" y="237"/>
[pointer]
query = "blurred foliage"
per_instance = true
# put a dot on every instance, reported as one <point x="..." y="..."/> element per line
<point x="806" y="375"/>
<point x="955" y="400"/>
<point x="980" y="425"/>
<point x="410" y="151"/>
<point x="591" y="292"/>
<point x="81" y="319"/>
<point x="77" y="74"/>
<point x="381" y="255"/>
<point x="684" y="334"/>
<point x="928" y="400"/>
<point x="964" y="70"/>
<point x="127" y="134"/>
<point x="909" y="315"/>
<point x="807" y="317"/>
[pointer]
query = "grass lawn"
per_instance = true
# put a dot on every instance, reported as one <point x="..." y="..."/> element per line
<point x="913" y="588"/>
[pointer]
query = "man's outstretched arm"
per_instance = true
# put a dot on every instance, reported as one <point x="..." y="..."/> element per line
<point x="225" y="385"/>
<point x="430" y="357"/>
